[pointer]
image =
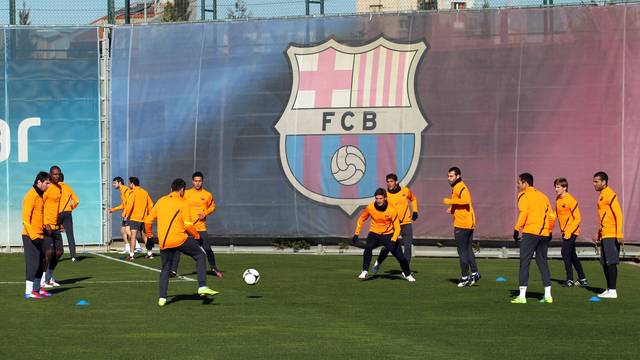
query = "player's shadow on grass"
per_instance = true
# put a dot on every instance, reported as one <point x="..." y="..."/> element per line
<point x="254" y="296"/>
<point x="384" y="276"/>
<point x="595" y="290"/>
<point x="78" y="258"/>
<point x="193" y="297"/>
<point x="454" y="281"/>
<point x="63" y="289"/>
<point x="399" y="272"/>
<point x="537" y="295"/>
<point x="74" y="280"/>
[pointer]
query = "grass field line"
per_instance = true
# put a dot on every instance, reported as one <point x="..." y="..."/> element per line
<point x="137" y="265"/>
<point x="97" y="282"/>
<point x="632" y="263"/>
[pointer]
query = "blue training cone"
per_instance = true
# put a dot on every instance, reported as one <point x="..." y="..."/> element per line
<point x="82" y="303"/>
<point x="594" y="299"/>
<point x="501" y="279"/>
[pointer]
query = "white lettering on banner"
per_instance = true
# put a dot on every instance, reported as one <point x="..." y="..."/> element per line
<point x="23" y="138"/>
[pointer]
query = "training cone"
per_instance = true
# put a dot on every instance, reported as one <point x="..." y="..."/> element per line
<point x="501" y="279"/>
<point x="82" y="303"/>
<point x="594" y="299"/>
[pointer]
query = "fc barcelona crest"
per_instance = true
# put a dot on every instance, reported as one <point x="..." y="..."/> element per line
<point x="352" y="118"/>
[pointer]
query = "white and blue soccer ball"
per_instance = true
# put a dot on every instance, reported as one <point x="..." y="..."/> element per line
<point x="251" y="276"/>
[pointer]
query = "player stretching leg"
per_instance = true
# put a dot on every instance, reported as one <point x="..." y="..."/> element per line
<point x="406" y="204"/>
<point x="384" y="230"/>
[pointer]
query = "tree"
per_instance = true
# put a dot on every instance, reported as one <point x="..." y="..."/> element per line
<point x="24" y="14"/>
<point x="239" y="11"/>
<point x="178" y="10"/>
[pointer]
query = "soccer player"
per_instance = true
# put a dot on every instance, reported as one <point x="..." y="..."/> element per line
<point x="535" y="219"/>
<point x="568" y="215"/>
<point x="174" y="226"/>
<point x="118" y="184"/>
<point x="33" y="236"/>
<point x="464" y="222"/>
<point x="400" y="197"/>
<point x="52" y="228"/>
<point x="202" y="205"/>
<point x="609" y="235"/>
<point x="138" y="206"/>
<point x="69" y="202"/>
<point x="384" y="230"/>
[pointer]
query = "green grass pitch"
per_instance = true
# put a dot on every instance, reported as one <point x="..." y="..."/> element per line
<point x="312" y="307"/>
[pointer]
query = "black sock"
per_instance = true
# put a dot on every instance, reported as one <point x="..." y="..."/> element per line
<point x="613" y="276"/>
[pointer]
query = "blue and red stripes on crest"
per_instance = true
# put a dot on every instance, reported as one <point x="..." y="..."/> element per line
<point x="309" y="159"/>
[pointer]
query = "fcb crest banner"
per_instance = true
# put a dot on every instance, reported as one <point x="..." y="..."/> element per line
<point x="351" y="119"/>
<point x="296" y="122"/>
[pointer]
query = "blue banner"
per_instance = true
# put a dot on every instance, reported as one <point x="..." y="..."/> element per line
<point x="50" y="115"/>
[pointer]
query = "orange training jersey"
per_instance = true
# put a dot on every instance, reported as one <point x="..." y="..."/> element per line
<point x="174" y="220"/>
<point x="139" y="204"/>
<point x="52" y="205"/>
<point x="200" y="202"/>
<point x="461" y="209"/>
<point x="400" y="200"/>
<point x="609" y="214"/>
<point x="568" y="215"/>
<point x="124" y="193"/>
<point x="383" y="222"/>
<point x="68" y="199"/>
<point x="535" y="215"/>
<point x="33" y="215"/>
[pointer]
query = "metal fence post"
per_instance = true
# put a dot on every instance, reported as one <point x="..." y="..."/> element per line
<point x="127" y="11"/>
<point x="213" y="10"/>
<point x="111" y="9"/>
<point x="12" y="12"/>
<point x="105" y="96"/>
<point x="308" y="3"/>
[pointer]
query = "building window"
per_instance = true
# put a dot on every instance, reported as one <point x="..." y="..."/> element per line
<point x="458" y="5"/>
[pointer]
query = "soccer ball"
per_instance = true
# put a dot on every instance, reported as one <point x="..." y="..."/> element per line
<point x="251" y="276"/>
<point x="348" y="165"/>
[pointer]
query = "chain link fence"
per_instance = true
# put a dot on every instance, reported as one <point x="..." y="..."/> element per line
<point x="83" y="12"/>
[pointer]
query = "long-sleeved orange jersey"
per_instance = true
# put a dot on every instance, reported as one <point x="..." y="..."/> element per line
<point x="201" y="202"/>
<point x="52" y="206"/>
<point x="461" y="208"/>
<point x="568" y="215"/>
<point x="68" y="199"/>
<point x="124" y="193"/>
<point x="609" y="214"/>
<point x="383" y="222"/>
<point x="138" y="205"/>
<point x="174" y="221"/>
<point x="33" y="215"/>
<point x="535" y="214"/>
<point x="399" y="198"/>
